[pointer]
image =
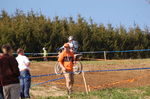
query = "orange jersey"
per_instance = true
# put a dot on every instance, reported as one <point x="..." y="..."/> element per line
<point x="67" y="58"/>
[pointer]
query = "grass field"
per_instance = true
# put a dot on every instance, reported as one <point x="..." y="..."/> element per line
<point x="110" y="93"/>
<point x="104" y="85"/>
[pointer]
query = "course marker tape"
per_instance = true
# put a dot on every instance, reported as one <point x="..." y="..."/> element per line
<point x="95" y="71"/>
<point x="90" y="52"/>
<point x="48" y="81"/>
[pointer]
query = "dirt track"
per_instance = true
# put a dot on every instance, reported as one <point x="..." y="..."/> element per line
<point x="97" y="80"/>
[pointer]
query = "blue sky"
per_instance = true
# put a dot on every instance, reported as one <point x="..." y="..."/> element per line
<point x="115" y="12"/>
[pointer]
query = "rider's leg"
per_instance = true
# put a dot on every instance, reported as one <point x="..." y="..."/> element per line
<point x="69" y="81"/>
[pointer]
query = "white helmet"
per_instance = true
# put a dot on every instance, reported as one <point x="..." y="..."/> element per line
<point x="44" y="48"/>
<point x="70" y="38"/>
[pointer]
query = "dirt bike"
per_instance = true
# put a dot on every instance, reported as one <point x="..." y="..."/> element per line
<point x="77" y="68"/>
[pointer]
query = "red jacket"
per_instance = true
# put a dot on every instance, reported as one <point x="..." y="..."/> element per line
<point x="9" y="71"/>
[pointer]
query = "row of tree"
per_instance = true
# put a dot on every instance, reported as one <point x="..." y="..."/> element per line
<point x="33" y="31"/>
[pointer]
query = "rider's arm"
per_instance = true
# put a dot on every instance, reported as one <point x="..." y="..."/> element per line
<point x="75" y="46"/>
<point x="60" y="60"/>
<point x="74" y="58"/>
<point x="62" y="66"/>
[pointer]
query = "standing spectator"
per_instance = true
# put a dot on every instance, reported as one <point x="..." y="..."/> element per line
<point x="45" y="54"/>
<point x="9" y="74"/>
<point x="25" y="79"/>
<point x="1" y="92"/>
<point x="1" y="88"/>
<point x="66" y="59"/>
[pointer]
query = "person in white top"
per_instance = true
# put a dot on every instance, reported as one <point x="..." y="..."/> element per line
<point x="25" y="79"/>
<point x="45" y="54"/>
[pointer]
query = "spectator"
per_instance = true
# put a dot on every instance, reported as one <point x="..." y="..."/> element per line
<point x="45" y="54"/>
<point x="9" y="74"/>
<point x="1" y="92"/>
<point x="25" y="79"/>
<point x="1" y="88"/>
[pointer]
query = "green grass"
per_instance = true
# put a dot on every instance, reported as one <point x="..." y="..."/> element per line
<point x="113" y="93"/>
<point x="109" y="62"/>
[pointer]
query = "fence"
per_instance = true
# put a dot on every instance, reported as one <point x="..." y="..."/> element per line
<point x="106" y="54"/>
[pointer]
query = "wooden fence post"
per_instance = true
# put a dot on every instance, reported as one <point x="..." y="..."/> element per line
<point x="85" y="84"/>
<point x="105" y="58"/>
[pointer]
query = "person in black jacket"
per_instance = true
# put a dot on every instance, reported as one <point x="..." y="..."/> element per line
<point x="9" y="74"/>
<point x="1" y="92"/>
<point x="1" y="88"/>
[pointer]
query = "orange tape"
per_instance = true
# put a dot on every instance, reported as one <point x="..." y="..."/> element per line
<point x="78" y="85"/>
<point x="118" y="82"/>
<point x="113" y="83"/>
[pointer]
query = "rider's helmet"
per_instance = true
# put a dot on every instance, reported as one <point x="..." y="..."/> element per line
<point x="70" y="38"/>
<point x="66" y="45"/>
